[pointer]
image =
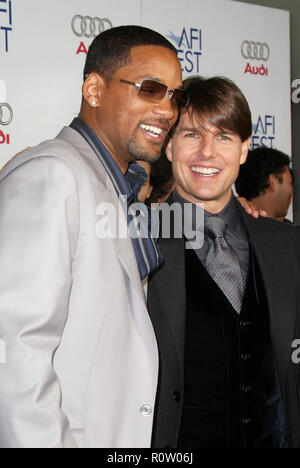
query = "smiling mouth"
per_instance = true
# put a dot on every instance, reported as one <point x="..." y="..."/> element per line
<point x="154" y="132"/>
<point x="205" y="171"/>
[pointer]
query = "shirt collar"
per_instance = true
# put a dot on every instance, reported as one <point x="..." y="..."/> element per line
<point x="229" y="214"/>
<point x="118" y="179"/>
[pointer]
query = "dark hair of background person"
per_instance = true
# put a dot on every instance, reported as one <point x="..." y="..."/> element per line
<point x="254" y="174"/>
<point x="162" y="180"/>
<point x="220" y="102"/>
<point x="110" y="50"/>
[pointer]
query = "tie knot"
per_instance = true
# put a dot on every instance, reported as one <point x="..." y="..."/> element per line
<point x="215" y="226"/>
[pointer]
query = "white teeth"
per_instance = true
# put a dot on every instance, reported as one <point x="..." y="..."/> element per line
<point x="155" y="130"/>
<point x="205" y="170"/>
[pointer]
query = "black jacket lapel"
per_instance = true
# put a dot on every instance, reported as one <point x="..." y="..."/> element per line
<point x="169" y="284"/>
<point x="172" y="290"/>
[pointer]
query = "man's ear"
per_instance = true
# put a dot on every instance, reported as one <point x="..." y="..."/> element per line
<point x="169" y="150"/>
<point x="272" y="183"/>
<point x="245" y="150"/>
<point x="92" y="89"/>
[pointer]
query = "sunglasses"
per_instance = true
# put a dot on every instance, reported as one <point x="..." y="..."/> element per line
<point x="153" y="91"/>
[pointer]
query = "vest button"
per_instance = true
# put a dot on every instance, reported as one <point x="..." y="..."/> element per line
<point x="146" y="410"/>
<point x="177" y="396"/>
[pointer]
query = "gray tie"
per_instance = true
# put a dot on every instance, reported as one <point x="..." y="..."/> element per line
<point x="223" y="264"/>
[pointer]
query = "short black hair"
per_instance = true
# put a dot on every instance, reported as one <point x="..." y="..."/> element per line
<point x="110" y="50"/>
<point x="254" y="174"/>
<point x="221" y="102"/>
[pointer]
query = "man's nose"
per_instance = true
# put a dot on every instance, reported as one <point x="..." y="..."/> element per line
<point x="166" y="109"/>
<point x="206" y="147"/>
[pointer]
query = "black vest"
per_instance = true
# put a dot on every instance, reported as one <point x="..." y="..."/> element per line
<point x="231" y="392"/>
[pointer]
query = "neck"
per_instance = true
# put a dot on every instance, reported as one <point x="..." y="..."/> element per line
<point x="215" y="206"/>
<point x="90" y="119"/>
<point x="264" y="203"/>
<point x="211" y="206"/>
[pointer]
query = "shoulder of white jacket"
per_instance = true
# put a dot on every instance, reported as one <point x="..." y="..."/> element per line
<point x="57" y="149"/>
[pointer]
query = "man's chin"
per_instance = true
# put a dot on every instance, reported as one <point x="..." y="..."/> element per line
<point x="205" y="197"/>
<point x="144" y="156"/>
<point x="150" y="159"/>
<point x="140" y="153"/>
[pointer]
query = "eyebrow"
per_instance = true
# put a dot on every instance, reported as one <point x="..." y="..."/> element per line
<point x="189" y="129"/>
<point x="150" y="77"/>
<point x="155" y="78"/>
<point x="199" y="130"/>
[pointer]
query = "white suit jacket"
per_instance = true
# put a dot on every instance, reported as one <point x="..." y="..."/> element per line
<point x="79" y="359"/>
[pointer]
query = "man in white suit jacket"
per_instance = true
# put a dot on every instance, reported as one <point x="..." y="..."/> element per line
<point x="79" y="358"/>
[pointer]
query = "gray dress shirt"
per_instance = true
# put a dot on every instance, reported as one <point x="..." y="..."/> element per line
<point x="236" y="234"/>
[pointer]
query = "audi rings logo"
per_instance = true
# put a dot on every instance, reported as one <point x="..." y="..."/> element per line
<point x="6" y="114"/>
<point x="255" y="50"/>
<point x="86" y="26"/>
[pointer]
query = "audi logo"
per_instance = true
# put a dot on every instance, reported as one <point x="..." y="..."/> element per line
<point x="6" y="114"/>
<point x="86" y="26"/>
<point x="255" y="50"/>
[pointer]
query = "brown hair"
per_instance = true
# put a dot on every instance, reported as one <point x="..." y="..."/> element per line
<point x="219" y="101"/>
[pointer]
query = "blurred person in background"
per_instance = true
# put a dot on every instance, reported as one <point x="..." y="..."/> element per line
<point x="161" y="180"/>
<point x="139" y="174"/>
<point x="266" y="180"/>
<point x="151" y="183"/>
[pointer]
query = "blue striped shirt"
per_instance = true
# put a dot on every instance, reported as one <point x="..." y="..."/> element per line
<point x="146" y="250"/>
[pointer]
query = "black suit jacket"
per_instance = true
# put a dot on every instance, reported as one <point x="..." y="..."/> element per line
<point x="277" y="249"/>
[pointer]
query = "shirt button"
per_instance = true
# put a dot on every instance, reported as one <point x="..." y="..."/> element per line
<point x="146" y="410"/>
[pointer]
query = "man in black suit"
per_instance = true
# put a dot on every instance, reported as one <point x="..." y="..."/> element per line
<point x="226" y="314"/>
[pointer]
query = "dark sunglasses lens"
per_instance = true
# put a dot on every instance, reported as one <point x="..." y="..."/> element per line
<point x="155" y="92"/>
<point x="152" y="90"/>
<point x="180" y="98"/>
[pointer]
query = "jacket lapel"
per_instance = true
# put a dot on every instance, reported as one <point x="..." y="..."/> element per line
<point x="76" y="140"/>
<point x="123" y="245"/>
<point x="170" y="285"/>
<point x="274" y="254"/>
<point x="172" y="290"/>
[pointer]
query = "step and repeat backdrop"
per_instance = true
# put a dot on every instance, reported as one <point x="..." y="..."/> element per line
<point x="43" y="46"/>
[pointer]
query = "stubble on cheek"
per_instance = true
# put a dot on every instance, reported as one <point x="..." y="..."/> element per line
<point x="140" y="153"/>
